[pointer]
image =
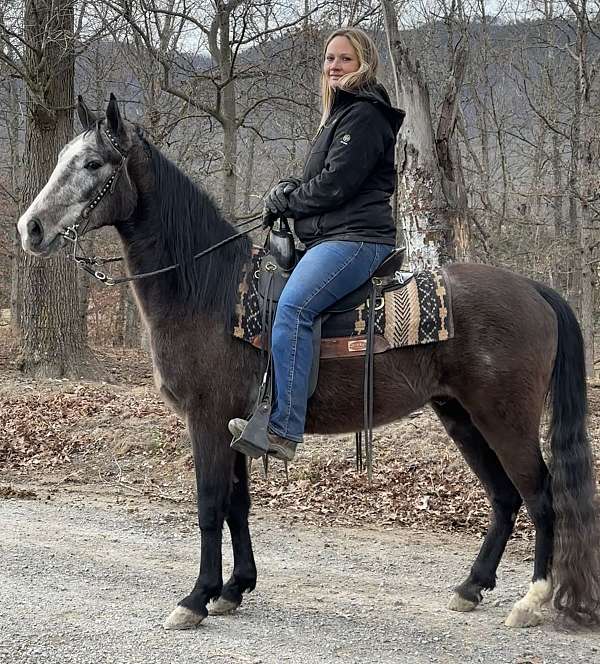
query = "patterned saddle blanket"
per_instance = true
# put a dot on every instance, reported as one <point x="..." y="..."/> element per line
<point x="417" y="311"/>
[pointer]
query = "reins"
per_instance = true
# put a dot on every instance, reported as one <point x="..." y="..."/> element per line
<point x="88" y="263"/>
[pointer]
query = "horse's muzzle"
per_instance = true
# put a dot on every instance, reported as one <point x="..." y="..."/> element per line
<point x="34" y="239"/>
<point x="35" y="234"/>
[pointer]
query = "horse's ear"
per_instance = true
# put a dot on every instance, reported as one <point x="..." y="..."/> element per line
<point x="113" y="117"/>
<point x="86" y="117"/>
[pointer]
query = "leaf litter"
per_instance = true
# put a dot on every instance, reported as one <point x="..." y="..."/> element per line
<point x="122" y="433"/>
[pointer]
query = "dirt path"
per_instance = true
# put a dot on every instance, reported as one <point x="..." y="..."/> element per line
<point x="90" y="579"/>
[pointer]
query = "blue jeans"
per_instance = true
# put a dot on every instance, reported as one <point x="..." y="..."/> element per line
<point x="324" y="275"/>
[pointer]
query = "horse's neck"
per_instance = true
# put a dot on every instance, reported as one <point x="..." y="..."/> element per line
<point x="145" y="250"/>
<point x="141" y="257"/>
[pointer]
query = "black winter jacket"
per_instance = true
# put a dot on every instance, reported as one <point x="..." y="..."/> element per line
<point x="349" y="175"/>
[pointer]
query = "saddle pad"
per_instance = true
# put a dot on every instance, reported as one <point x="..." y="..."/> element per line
<point x="247" y="322"/>
<point x="418" y="312"/>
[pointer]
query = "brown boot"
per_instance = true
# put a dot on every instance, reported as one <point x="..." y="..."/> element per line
<point x="279" y="447"/>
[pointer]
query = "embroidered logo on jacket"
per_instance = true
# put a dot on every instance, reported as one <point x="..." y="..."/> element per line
<point x="345" y="139"/>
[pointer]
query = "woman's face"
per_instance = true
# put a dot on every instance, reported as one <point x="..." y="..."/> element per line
<point x="340" y="59"/>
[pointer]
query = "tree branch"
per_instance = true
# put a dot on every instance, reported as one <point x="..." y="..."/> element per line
<point x="447" y="121"/>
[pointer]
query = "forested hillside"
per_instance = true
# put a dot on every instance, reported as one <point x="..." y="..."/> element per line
<point x="229" y="90"/>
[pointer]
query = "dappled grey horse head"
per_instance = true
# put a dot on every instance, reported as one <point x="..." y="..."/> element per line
<point x="89" y="187"/>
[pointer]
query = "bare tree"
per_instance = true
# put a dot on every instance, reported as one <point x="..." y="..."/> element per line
<point x="41" y="54"/>
<point x="431" y="193"/>
<point x="583" y="184"/>
<point x="221" y="77"/>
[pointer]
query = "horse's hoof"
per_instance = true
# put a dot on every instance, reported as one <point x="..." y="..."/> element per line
<point x="182" y="618"/>
<point x="221" y="607"/>
<point x="523" y="616"/>
<point x="458" y="603"/>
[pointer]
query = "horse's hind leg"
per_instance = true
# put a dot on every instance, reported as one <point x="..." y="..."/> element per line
<point x="243" y="577"/>
<point x="516" y="444"/>
<point x="502" y="494"/>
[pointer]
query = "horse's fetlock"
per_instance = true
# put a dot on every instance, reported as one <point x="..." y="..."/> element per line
<point x="470" y="591"/>
<point x="196" y="602"/>
<point x="212" y="592"/>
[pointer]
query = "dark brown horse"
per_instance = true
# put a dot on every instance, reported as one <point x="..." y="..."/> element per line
<point x="516" y="341"/>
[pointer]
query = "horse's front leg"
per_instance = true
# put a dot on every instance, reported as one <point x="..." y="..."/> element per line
<point x="213" y="461"/>
<point x="243" y="577"/>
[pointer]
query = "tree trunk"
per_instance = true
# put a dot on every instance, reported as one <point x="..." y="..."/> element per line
<point x="118" y="328"/>
<point x="229" y="109"/>
<point x="229" y="169"/>
<point x="247" y="205"/>
<point x="16" y="296"/>
<point x="16" y="178"/>
<point x="587" y="294"/>
<point x="53" y="342"/>
<point x="572" y="262"/>
<point x="431" y="194"/>
<point x="559" y="267"/>
<point x="132" y="334"/>
<point x="582" y="187"/>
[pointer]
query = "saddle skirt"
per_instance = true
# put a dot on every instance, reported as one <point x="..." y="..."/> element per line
<point x="411" y="311"/>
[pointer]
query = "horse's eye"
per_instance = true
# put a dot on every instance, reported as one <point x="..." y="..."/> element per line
<point x="93" y="165"/>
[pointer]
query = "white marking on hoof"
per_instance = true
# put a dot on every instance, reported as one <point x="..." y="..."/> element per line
<point x="522" y="616"/>
<point x="221" y="607"/>
<point x="182" y="618"/>
<point x="458" y="603"/>
<point x="527" y="612"/>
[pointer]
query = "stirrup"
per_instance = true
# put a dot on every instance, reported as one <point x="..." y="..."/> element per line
<point x="253" y="441"/>
<point x="279" y="448"/>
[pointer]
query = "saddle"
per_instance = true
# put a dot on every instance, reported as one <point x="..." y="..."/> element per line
<point x="275" y="270"/>
<point x="272" y="275"/>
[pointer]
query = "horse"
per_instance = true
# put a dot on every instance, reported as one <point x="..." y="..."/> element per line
<point x="516" y="344"/>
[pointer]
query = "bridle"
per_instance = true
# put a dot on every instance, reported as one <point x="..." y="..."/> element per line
<point x="89" y="263"/>
<point x="72" y="233"/>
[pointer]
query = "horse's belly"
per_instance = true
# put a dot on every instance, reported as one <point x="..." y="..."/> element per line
<point x="338" y="406"/>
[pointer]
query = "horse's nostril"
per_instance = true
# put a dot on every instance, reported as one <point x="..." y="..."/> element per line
<point x="35" y="231"/>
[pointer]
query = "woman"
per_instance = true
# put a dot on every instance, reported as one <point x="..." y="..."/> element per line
<point x="342" y="213"/>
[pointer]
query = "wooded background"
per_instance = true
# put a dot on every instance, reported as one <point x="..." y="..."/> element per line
<point x="497" y="159"/>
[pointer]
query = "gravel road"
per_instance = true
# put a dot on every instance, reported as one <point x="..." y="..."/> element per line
<point x="90" y="578"/>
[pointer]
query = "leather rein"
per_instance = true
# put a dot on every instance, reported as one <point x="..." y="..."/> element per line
<point x="89" y="263"/>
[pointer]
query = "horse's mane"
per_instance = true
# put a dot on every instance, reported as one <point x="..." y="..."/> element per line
<point x="188" y="221"/>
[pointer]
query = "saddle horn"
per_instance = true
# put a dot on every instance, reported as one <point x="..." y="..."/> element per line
<point x="281" y="244"/>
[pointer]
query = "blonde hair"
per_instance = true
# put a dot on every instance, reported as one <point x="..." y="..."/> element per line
<point x="368" y="62"/>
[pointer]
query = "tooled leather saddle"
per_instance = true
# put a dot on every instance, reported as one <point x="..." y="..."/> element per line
<point x="274" y="270"/>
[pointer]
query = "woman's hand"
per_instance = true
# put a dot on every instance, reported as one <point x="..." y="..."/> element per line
<point x="276" y="200"/>
<point x="269" y="218"/>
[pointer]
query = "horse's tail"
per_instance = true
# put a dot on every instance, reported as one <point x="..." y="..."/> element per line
<point x="576" y="558"/>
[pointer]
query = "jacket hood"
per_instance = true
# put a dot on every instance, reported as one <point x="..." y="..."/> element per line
<point x="377" y="95"/>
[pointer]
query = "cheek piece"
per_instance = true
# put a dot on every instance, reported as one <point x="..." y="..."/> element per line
<point x="72" y="233"/>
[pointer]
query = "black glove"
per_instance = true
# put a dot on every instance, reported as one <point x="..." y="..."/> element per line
<point x="276" y="200"/>
<point x="269" y="218"/>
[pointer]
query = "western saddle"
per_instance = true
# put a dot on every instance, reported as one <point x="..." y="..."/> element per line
<point x="274" y="271"/>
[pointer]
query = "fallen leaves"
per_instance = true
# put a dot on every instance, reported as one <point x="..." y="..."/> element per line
<point x="8" y="491"/>
<point x="50" y="428"/>
<point x="406" y="491"/>
<point x="124" y="434"/>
